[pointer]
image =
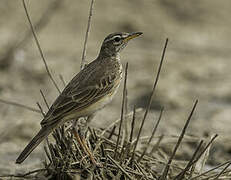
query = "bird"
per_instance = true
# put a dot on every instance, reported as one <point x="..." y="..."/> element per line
<point x="88" y="92"/>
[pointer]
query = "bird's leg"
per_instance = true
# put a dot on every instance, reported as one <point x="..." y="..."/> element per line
<point x="89" y="118"/>
<point x="80" y="137"/>
<point x="83" y="145"/>
<point x="88" y="151"/>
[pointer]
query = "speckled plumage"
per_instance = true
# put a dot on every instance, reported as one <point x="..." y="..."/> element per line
<point x="89" y="91"/>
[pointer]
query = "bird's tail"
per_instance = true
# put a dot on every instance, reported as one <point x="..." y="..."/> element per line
<point x="42" y="134"/>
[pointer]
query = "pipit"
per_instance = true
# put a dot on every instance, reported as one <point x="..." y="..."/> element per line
<point x="89" y="91"/>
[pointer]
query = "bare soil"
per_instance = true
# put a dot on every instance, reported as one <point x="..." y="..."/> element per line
<point x="197" y="66"/>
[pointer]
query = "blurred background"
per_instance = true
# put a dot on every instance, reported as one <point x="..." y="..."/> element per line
<point x="197" y="66"/>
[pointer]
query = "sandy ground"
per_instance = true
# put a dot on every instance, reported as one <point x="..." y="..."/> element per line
<point x="197" y="66"/>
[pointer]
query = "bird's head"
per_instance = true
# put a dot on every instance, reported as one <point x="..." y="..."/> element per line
<point x="115" y="42"/>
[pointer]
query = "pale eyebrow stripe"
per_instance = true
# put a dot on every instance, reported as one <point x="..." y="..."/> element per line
<point x="113" y="37"/>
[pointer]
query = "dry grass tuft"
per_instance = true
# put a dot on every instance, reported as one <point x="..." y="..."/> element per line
<point x="66" y="159"/>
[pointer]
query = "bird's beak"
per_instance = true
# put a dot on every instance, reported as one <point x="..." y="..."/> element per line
<point x="132" y="35"/>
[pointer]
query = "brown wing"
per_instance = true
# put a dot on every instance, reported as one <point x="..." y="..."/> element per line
<point x="78" y="95"/>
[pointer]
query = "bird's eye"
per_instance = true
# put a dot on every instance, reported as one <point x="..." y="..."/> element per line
<point x="117" y="39"/>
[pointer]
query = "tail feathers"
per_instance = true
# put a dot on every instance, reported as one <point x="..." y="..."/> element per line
<point x="42" y="134"/>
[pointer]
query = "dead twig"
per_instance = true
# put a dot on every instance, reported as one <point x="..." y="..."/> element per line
<point x="41" y="110"/>
<point x="44" y="99"/>
<point x="132" y="124"/>
<point x="120" y="167"/>
<point x="151" y="96"/>
<point x="166" y="169"/>
<point x="151" y="137"/>
<point x="223" y="170"/>
<point x="39" y="25"/>
<point x="86" y="35"/>
<point x="20" y="105"/>
<point x="211" y="170"/>
<point x="39" y="47"/>
<point x="189" y="164"/>
<point x="122" y="109"/>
